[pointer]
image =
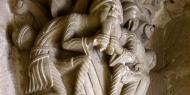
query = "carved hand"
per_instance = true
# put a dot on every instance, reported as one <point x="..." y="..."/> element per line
<point x="141" y="69"/>
<point x="125" y="58"/>
<point x="101" y="41"/>
<point x="108" y="39"/>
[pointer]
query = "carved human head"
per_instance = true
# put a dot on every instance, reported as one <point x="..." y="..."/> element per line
<point x="135" y="12"/>
<point x="147" y="34"/>
<point x="18" y="6"/>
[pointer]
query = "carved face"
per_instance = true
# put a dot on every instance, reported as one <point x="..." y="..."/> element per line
<point x="18" y="6"/>
<point x="142" y="29"/>
<point x="147" y="33"/>
<point x="149" y="29"/>
<point x="132" y="24"/>
<point x="132" y="12"/>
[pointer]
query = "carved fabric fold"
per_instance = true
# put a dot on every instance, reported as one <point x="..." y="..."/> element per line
<point x="39" y="76"/>
<point x="42" y="71"/>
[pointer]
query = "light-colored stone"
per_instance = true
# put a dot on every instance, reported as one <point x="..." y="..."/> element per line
<point x="94" y="47"/>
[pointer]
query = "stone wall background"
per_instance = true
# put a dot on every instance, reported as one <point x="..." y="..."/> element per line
<point x="7" y="69"/>
<point x="171" y="41"/>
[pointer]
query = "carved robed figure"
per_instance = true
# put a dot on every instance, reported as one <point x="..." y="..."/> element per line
<point x="97" y="48"/>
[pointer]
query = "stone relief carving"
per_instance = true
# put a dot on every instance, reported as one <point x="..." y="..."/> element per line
<point x="96" y="47"/>
<point x="28" y="18"/>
